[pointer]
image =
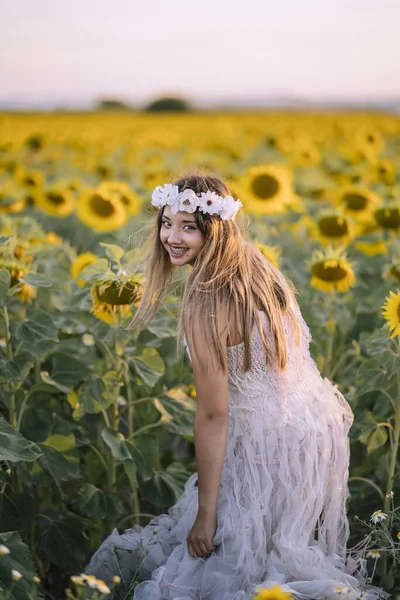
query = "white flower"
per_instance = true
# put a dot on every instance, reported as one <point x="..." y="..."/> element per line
<point x="16" y="575"/>
<point x="4" y="550"/>
<point x="342" y="589"/>
<point x="210" y="203"/>
<point x="165" y="194"/>
<point x="87" y="339"/>
<point x="390" y="495"/>
<point x="188" y="201"/>
<point x="229" y="208"/>
<point x="116" y="579"/>
<point x="373" y="554"/>
<point x="102" y="587"/>
<point x="121" y="401"/>
<point x="77" y="579"/>
<point x="377" y="516"/>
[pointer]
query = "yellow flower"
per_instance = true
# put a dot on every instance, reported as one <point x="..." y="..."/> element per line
<point x="100" y="211"/>
<point x="276" y="592"/>
<point x="82" y="261"/>
<point x="11" y="200"/>
<point x="55" y="201"/>
<point x="36" y="579"/>
<point x="112" y="300"/>
<point x="357" y="202"/>
<point x="398" y="535"/>
<point x="27" y="293"/>
<point x="29" y="179"/>
<point x="333" y="228"/>
<point x="385" y="172"/>
<point x="53" y="239"/>
<point x="391" y="312"/>
<point x="371" y="248"/>
<point x="122" y="191"/>
<point x="77" y="579"/>
<point x="388" y="216"/>
<point x="116" y="579"/>
<point x="267" y="189"/>
<point x="16" y="575"/>
<point x="393" y="272"/>
<point x="272" y="253"/>
<point x="331" y="271"/>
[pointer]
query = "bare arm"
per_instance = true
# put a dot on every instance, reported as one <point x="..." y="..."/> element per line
<point x="210" y="435"/>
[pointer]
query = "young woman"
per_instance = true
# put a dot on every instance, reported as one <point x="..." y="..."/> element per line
<point x="268" y="502"/>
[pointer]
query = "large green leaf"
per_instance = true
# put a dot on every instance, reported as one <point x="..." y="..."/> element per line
<point x="14" y="447"/>
<point x="19" y="559"/>
<point x="37" y="280"/>
<point x="374" y="438"/>
<point x="371" y="375"/>
<point x="123" y="451"/>
<point x="67" y="371"/>
<point x="65" y="543"/>
<point x="52" y="466"/>
<point x="14" y="372"/>
<point x="113" y="252"/>
<point x="165" y="488"/>
<point x="91" y="501"/>
<point x="5" y="280"/>
<point x="40" y="327"/>
<point x="98" y="394"/>
<point x="177" y="410"/>
<point x="149" y="365"/>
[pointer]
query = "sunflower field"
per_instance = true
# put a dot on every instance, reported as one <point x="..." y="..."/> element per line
<point x="95" y="418"/>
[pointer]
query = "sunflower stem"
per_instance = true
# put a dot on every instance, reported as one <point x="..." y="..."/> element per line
<point x="392" y="470"/>
<point x="328" y="366"/>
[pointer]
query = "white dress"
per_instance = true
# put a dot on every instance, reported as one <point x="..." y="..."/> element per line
<point x="282" y="500"/>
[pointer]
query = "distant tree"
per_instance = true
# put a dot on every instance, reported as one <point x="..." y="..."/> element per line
<point x="112" y="104"/>
<point x="168" y="103"/>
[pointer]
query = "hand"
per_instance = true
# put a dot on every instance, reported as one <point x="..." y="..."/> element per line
<point x="200" y="537"/>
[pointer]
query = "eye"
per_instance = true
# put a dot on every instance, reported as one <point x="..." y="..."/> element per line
<point x="190" y="227"/>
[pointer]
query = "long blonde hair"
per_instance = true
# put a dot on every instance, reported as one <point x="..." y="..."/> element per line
<point x="229" y="273"/>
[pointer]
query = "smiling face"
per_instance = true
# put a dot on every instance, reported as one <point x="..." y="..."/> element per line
<point x="181" y="237"/>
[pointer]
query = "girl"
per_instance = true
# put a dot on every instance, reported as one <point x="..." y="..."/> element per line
<point x="267" y="504"/>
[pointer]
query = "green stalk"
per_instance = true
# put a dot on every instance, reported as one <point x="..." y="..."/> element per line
<point x="12" y="413"/>
<point x="394" y="447"/>
<point x="328" y="366"/>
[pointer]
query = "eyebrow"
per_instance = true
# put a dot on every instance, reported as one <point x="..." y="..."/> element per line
<point x="164" y="217"/>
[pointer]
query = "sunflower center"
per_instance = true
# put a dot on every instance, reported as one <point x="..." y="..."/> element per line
<point x="55" y="198"/>
<point x="355" y="201"/>
<point x="333" y="227"/>
<point x="388" y="218"/>
<point x="328" y="273"/>
<point x="102" y="207"/>
<point x="265" y="186"/>
<point x="116" y="294"/>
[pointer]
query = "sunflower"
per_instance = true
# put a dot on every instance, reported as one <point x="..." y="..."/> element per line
<point x="272" y="253"/>
<point x="29" y="179"/>
<point x="55" y="201"/>
<point x="101" y="211"/>
<point x="128" y="198"/>
<point x="16" y="269"/>
<point x="393" y="272"/>
<point x="391" y="312"/>
<point x="276" y="592"/>
<point x="357" y="202"/>
<point x="333" y="228"/>
<point x="11" y="200"/>
<point x="369" y="141"/>
<point x="371" y="248"/>
<point x="266" y="189"/>
<point x="331" y="271"/>
<point x="385" y="172"/>
<point x="388" y="216"/>
<point x="27" y="293"/>
<point x="112" y="300"/>
<point x="82" y="261"/>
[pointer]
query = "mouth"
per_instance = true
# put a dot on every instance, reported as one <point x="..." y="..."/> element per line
<point x="177" y="252"/>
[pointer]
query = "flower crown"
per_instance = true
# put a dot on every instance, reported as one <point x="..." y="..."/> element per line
<point x="208" y="202"/>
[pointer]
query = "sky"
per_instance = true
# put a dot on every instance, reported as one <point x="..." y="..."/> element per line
<point x="208" y="51"/>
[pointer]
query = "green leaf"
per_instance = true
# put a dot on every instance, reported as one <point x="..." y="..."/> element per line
<point x="149" y="365"/>
<point x="91" y="501"/>
<point x="374" y="438"/>
<point x="40" y="327"/>
<point x="14" y="372"/>
<point x="98" y="394"/>
<point x="4" y="239"/>
<point x="53" y="466"/>
<point x="37" y="280"/>
<point x="124" y="451"/>
<point x="19" y="559"/>
<point x="5" y="279"/>
<point x="14" y="447"/>
<point x="97" y="271"/>
<point x="371" y="375"/>
<point x="178" y="410"/>
<point x="65" y="543"/>
<point x="166" y="487"/>
<point x="67" y="371"/>
<point x="113" y="252"/>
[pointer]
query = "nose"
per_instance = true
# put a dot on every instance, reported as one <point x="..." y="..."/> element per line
<point x="174" y="238"/>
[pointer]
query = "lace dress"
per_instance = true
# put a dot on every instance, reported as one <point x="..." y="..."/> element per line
<point x="282" y="500"/>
